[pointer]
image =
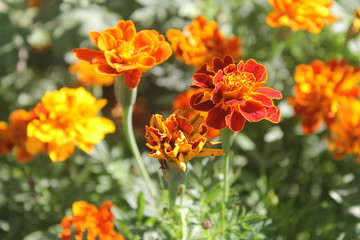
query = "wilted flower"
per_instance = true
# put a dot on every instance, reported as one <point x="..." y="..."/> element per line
<point x="123" y="51"/>
<point x="87" y="217"/>
<point x="301" y="14"/>
<point x="201" y="41"/>
<point x="182" y="102"/>
<point x="231" y="93"/>
<point x="320" y="89"/>
<point x="178" y="140"/>
<point x="67" y="117"/>
<point x="345" y="131"/>
<point x="86" y="74"/>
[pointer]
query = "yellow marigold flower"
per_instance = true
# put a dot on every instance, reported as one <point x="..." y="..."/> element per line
<point x="182" y="102"/>
<point x="178" y="140"/>
<point x="345" y="131"/>
<point x="320" y="89"/>
<point x="123" y="51"/>
<point x="67" y="117"/>
<point x="86" y="74"/>
<point x="86" y="217"/>
<point x="201" y="41"/>
<point x="301" y="14"/>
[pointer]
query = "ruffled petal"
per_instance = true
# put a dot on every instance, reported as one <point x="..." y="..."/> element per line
<point x="216" y="117"/>
<point x="271" y="93"/>
<point x="235" y="120"/>
<point x="253" y="111"/>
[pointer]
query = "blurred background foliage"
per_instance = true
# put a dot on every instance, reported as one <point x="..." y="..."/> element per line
<point x="285" y="185"/>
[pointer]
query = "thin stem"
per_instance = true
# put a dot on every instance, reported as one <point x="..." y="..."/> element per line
<point x="126" y="97"/>
<point x="226" y="144"/>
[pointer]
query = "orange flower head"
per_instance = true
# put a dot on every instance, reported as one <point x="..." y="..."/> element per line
<point x="301" y="14"/>
<point x="182" y="102"/>
<point x="17" y="133"/>
<point x="97" y="222"/>
<point x="231" y="93"/>
<point x="320" y="89"/>
<point x="86" y="74"/>
<point x="68" y="117"/>
<point x="123" y="51"/>
<point x="178" y="140"/>
<point x="345" y="131"/>
<point x="201" y="41"/>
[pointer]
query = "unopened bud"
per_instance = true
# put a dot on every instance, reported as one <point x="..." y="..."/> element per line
<point x="206" y="224"/>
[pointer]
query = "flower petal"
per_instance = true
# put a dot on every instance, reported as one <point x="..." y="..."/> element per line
<point x="216" y="117"/>
<point x="253" y="111"/>
<point x="235" y="121"/>
<point x="274" y="94"/>
<point x="201" y="101"/>
<point x="106" y="42"/>
<point x="257" y="69"/>
<point x="106" y="69"/>
<point x="92" y="56"/>
<point x="265" y="100"/>
<point x="132" y="78"/>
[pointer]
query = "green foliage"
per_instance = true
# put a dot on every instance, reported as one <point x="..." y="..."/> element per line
<point x="284" y="185"/>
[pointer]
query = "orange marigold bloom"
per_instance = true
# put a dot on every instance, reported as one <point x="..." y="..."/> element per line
<point x="182" y="102"/>
<point x="320" y="89"/>
<point x="178" y="140"/>
<point x="345" y="131"/>
<point x="13" y="136"/>
<point x="201" y="41"/>
<point x="97" y="222"/>
<point x="67" y="117"/>
<point x="123" y="51"/>
<point x="231" y="93"/>
<point x="86" y="74"/>
<point x="301" y="14"/>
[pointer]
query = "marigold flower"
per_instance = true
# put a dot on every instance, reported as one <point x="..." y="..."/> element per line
<point x="65" y="118"/>
<point x="182" y="102"/>
<point x="231" y="93"/>
<point x="178" y="140"/>
<point x="320" y="89"/>
<point x="201" y="41"/>
<point x="301" y="14"/>
<point x="13" y="136"/>
<point x="97" y="222"/>
<point x="86" y="74"/>
<point x="345" y="131"/>
<point x="123" y="51"/>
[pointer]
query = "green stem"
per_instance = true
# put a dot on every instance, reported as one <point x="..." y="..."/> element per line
<point x="127" y="97"/>
<point x="226" y="144"/>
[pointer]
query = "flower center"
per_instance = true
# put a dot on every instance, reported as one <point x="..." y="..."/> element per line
<point x="237" y="84"/>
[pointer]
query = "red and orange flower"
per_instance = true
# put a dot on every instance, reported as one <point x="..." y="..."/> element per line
<point x="123" y="51"/>
<point x="86" y="217"/>
<point x="321" y="88"/>
<point x="178" y="140"/>
<point x="301" y="14"/>
<point x="232" y="93"/>
<point x="345" y="131"/>
<point x="201" y="41"/>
